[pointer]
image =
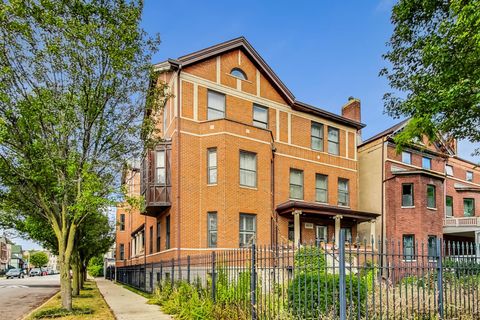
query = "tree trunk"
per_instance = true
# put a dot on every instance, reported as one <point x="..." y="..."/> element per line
<point x="65" y="283"/>
<point x="76" y="277"/>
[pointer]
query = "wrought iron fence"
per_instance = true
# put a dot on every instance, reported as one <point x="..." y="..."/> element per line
<point x="391" y="280"/>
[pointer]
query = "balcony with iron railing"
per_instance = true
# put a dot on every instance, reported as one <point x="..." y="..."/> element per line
<point x="156" y="179"/>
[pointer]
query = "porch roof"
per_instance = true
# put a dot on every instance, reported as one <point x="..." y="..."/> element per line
<point x="319" y="209"/>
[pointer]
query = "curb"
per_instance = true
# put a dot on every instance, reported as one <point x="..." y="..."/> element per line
<point x="41" y="305"/>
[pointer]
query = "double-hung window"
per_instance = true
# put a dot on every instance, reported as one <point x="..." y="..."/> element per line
<point x="343" y="194"/>
<point x="409" y="247"/>
<point x="427" y="163"/>
<point x="160" y="171"/>
<point x="247" y="229"/>
<point x="317" y="136"/>
<point x="449" y="206"/>
<point x="431" y="199"/>
<point x="407" y="195"/>
<point x="248" y="169"/>
<point x="212" y="229"/>
<point x="122" y="251"/>
<point x="469" y="207"/>
<point x="406" y="157"/>
<point x="321" y="188"/>
<point x="449" y="170"/>
<point x="150" y="241"/>
<point x="167" y="232"/>
<point x="296" y="184"/>
<point x="212" y="165"/>
<point x="122" y="222"/>
<point x="333" y="141"/>
<point x="260" y="116"/>
<point x="432" y="247"/>
<point x="469" y="176"/>
<point x="159" y="235"/>
<point x="216" y="105"/>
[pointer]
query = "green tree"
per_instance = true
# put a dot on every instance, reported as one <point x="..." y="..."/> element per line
<point x="73" y="79"/>
<point x="39" y="259"/>
<point x="435" y="68"/>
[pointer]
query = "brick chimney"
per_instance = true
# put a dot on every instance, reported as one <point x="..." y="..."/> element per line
<point x="351" y="109"/>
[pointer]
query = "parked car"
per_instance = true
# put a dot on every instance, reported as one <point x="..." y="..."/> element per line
<point x="15" y="273"/>
<point x="36" y="272"/>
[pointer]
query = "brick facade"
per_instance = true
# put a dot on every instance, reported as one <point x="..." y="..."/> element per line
<point x="285" y="144"/>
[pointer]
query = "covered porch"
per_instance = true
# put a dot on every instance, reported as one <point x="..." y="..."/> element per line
<point x="312" y="221"/>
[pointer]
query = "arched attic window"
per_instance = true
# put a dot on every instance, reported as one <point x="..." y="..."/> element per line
<point x="238" y="73"/>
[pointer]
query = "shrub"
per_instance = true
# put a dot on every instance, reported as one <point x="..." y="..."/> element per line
<point x="95" y="267"/>
<point x="311" y="295"/>
<point x="309" y="259"/>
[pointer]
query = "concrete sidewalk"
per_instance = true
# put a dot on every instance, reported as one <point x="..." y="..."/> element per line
<point x="127" y="305"/>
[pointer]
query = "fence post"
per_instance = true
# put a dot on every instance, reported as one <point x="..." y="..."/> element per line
<point x="342" y="287"/>
<point x="440" y="278"/>
<point x="253" y="283"/>
<point x="214" y="280"/>
<point x="188" y="269"/>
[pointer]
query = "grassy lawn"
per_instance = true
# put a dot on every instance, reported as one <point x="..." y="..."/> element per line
<point x="89" y="305"/>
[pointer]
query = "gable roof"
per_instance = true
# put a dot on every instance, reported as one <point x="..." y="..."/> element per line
<point x="439" y="143"/>
<point x="242" y="44"/>
<point x="386" y="132"/>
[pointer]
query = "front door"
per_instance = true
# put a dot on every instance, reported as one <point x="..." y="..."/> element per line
<point x="321" y="234"/>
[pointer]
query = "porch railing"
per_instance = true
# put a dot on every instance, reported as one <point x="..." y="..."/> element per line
<point x="462" y="222"/>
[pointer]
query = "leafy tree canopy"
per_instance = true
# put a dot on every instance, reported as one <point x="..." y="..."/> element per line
<point x="435" y="66"/>
<point x="74" y="75"/>
<point x="39" y="259"/>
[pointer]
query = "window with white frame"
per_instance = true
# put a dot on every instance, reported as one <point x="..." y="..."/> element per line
<point x="212" y="229"/>
<point x="247" y="229"/>
<point x="343" y="194"/>
<point x="321" y="233"/>
<point x="409" y="247"/>
<point x="317" y="136"/>
<point x="296" y="184"/>
<point x="469" y="176"/>
<point x="216" y="105"/>
<point x="431" y="196"/>
<point x="407" y="195"/>
<point x="406" y="157"/>
<point x="212" y="165"/>
<point x="449" y="206"/>
<point x="248" y="169"/>
<point x="333" y="141"/>
<point x="160" y="171"/>
<point x="469" y="207"/>
<point x="260" y="116"/>
<point x="321" y="188"/>
<point x="449" y="170"/>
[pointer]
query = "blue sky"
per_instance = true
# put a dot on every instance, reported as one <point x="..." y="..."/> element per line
<point x="324" y="51"/>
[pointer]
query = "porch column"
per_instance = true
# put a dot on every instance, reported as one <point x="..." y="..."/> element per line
<point x="296" y="226"/>
<point x="338" y="217"/>
<point x="372" y="233"/>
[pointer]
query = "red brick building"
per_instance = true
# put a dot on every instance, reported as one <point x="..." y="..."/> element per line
<point x="241" y="161"/>
<point x="424" y="193"/>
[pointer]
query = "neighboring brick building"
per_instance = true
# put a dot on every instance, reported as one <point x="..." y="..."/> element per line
<point x="427" y="192"/>
<point x="241" y="161"/>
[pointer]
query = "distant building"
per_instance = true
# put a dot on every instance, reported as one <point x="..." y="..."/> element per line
<point x="52" y="261"/>
<point x="16" y="257"/>
<point x="4" y="254"/>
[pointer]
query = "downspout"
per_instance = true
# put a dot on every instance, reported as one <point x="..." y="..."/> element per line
<point x="382" y="240"/>
<point x="274" y="233"/>
<point x="179" y="101"/>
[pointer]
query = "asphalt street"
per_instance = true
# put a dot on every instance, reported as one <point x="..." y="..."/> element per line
<point x="19" y="296"/>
